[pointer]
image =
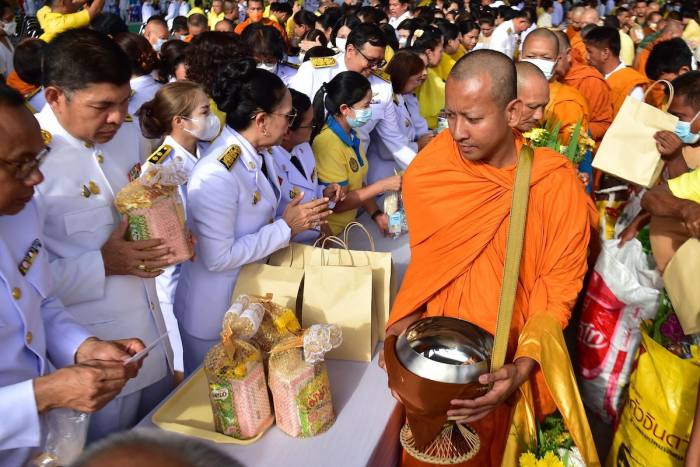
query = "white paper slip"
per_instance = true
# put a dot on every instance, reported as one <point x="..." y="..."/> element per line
<point x="140" y="355"/>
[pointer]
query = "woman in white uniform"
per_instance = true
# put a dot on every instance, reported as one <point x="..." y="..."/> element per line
<point x="407" y="71"/>
<point x="296" y="166"/>
<point x="267" y="46"/>
<point x="143" y="60"/>
<point x="232" y="200"/>
<point x="180" y="113"/>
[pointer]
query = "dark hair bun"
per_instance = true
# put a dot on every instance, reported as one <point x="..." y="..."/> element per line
<point x="231" y="82"/>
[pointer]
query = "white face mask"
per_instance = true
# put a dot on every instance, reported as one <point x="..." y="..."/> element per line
<point x="10" y="28"/>
<point x="272" y="68"/>
<point x="341" y="42"/>
<point x="159" y="44"/>
<point x="402" y="42"/>
<point x="205" y="128"/>
<point x="546" y="66"/>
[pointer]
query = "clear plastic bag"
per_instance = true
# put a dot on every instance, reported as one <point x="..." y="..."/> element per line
<point x="65" y="438"/>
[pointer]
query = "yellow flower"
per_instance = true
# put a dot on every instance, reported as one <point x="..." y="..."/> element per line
<point x="550" y="460"/>
<point x="527" y="459"/>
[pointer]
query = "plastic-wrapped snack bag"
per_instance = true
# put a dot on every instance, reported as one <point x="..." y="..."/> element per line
<point x="65" y="439"/>
<point x="155" y="210"/>
<point x="299" y="382"/>
<point x="393" y="207"/>
<point x="236" y="375"/>
<point x="278" y="323"/>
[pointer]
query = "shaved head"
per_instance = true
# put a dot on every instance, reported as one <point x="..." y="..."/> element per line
<point x="542" y="38"/>
<point x="577" y="12"/>
<point x="672" y="30"/>
<point x="533" y="91"/>
<point x="563" y="39"/>
<point x="564" y="64"/>
<point x="590" y="16"/>
<point x="499" y="69"/>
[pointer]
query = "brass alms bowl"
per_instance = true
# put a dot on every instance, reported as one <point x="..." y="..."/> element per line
<point x="446" y="350"/>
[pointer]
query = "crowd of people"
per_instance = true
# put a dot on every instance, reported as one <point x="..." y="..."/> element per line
<point x="291" y="121"/>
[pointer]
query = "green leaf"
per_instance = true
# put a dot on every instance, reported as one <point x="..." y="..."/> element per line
<point x="572" y="149"/>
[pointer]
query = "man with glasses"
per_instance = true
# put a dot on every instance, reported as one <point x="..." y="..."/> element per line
<point x="36" y="333"/>
<point x="364" y="54"/>
<point x="106" y="282"/>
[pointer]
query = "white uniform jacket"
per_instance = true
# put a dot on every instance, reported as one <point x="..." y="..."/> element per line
<point x="313" y="73"/>
<point x="293" y="182"/>
<point x="143" y="89"/>
<point x="231" y="208"/>
<point x="34" y="328"/>
<point x="77" y="200"/>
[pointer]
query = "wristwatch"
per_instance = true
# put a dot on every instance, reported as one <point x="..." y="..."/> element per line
<point x="376" y="214"/>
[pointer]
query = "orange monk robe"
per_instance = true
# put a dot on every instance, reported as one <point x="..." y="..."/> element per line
<point x="567" y="107"/>
<point x="621" y="83"/>
<point x="22" y="87"/>
<point x="578" y="49"/>
<point x="592" y="86"/>
<point x="458" y="211"/>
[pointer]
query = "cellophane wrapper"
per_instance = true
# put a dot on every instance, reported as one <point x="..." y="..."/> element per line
<point x="237" y="386"/>
<point x="299" y="383"/>
<point x="154" y="207"/>
<point x="278" y="324"/>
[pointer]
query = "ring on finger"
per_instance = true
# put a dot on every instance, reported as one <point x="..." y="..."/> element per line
<point x="141" y="267"/>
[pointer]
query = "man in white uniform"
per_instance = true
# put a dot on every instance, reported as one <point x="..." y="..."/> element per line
<point x="505" y="37"/>
<point x="364" y="54"/>
<point x="398" y="12"/>
<point x="106" y="283"/>
<point x="36" y="333"/>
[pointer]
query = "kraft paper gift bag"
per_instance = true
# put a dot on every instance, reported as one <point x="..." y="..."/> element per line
<point x="284" y="283"/>
<point x="341" y="293"/>
<point x="295" y="256"/>
<point x="681" y="280"/>
<point x="383" y="278"/>
<point x="628" y="150"/>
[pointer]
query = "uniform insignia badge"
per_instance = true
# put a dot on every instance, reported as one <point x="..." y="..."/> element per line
<point x="251" y="165"/>
<point x="323" y="62"/>
<point x="46" y="137"/>
<point x="291" y="65"/>
<point x="294" y="192"/>
<point x="230" y="156"/>
<point x="256" y="198"/>
<point x="88" y="145"/>
<point x="135" y="172"/>
<point x="100" y="158"/>
<point x="29" y="257"/>
<point x="94" y="188"/>
<point x="383" y="75"/>
<point x="354" y="165"/>
<point x="160" y="154"/>
<point x="375" y="98"/>
<point x="85" y="192"/>
<point x="128" y="118"/>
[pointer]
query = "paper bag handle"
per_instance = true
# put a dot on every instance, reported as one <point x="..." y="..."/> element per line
<point x="670" y="95"/>
<point x="514" y="249"/>
<point x="339" y="243"/>
<point x="353" y="225"/>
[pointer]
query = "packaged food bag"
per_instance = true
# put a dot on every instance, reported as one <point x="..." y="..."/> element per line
<point x="236" y="376"/>
<point x="623" y="291"/>
<point x="299" y="382"/>
<point x="153" y="205"/>
<point x="656" y="421"/>
<point x="278" y="323"/>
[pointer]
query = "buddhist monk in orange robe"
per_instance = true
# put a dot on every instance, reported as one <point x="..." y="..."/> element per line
<point x="457" y="195"/>
<point x="590" y="83"/>
<point x="566" y="107"/>
<point x="603" y="45"/>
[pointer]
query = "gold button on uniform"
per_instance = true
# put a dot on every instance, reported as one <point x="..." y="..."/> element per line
<point x="29" y="337"/>
<point x="100" y="158"/>
<point x="16" y="293"/>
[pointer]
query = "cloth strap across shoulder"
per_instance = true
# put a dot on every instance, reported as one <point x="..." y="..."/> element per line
<point x="514" y="249"/>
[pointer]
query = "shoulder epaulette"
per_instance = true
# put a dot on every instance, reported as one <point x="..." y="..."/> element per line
<point x="383" y="75"/>
<point x="230" y="156"/>
<point x="323" y="62"/>
<point x="291" y="65"/>
<point x="160" y="154"/>
<point x="32" y="94"/>
<point x="46" y="137"/>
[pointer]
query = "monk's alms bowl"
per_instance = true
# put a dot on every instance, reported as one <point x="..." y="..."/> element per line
<point x="446" y="350"/>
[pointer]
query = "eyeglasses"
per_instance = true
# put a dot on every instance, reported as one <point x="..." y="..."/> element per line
<point x="290" y="116"/>
<point x="372" y="63"/>
<point x="22" y="170"/>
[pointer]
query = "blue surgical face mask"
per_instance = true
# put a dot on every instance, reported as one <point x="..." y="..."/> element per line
<point x="684" y="132"/>
<point x="362" y="116"/>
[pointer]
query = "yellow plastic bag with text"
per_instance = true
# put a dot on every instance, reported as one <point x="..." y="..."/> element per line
<point x="657" y="419"/>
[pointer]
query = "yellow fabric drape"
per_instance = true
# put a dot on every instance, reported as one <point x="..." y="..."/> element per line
<point x="431" y="97"/>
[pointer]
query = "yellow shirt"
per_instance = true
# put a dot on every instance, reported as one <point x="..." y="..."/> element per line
<point x="41" y="14"/>
<point x="336" y="162"/>
<point x="431" y="97"/>
<point x="461" y="52"/>
<point x="445" y="66"/>
<point x="388" y="54"/>
<point x="213" y="19"/>
<point x="196" y="10"/>
<point x="54" y="24"/>
<point x="626" y="49"/>
<point x="687" y="186"/>
<point x="219" y="114"/>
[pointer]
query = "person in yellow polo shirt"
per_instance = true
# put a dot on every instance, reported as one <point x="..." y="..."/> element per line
<point x="67" y="14"/>
<point x="216" y="13"/>
<point x="340" y="107"/>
